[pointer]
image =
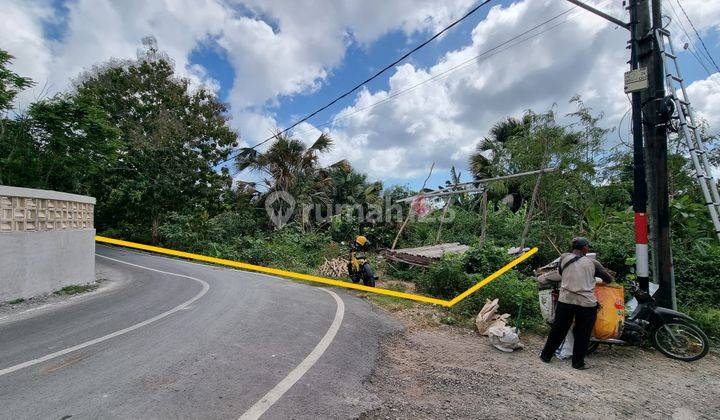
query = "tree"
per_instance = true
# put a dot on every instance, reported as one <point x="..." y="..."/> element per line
<point x="352" y="187"/>
<point x="173" y="137"/>
<point x="10" y="83"/>
<point x="76" y="142"/>
<point x="490" y="155"/>
<point x="13" y="132"/>
<point x="287" y="163"/>
<point x="290" y="166"/>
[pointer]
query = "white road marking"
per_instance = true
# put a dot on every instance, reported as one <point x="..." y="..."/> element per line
<point x="260" y="407"/>
<point x="205" y="288"/>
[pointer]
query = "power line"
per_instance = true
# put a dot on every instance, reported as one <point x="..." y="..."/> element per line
<point x="692" y="48"/>
<point x="698" y="35"/>
<point x="359" y="85"/>
<point x="483" y="55"/>
<point x="678" y="21"/>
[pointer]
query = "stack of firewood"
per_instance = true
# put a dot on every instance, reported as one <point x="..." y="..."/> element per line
<point x="336" y="267"/>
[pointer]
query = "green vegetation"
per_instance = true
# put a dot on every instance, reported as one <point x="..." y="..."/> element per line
<point x="152" y="150"/>
<point x="15" y="301"/>
<point x="74" y="289"/>
<point x="709" y="319"/>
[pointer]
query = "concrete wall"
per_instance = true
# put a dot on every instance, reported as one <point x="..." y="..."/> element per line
<point x="47" y="241"/>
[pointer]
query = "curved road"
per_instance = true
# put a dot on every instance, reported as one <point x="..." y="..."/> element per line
<point x="172" y="339"/>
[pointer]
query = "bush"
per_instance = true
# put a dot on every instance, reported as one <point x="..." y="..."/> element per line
<point x="401" y="271"/>
<point x="198" y="232"/>
<point x="485" y="260"/>
<point x="343" y="227"/>
<point x="697" y="276"/>
<point x="445" y="279"/>
<point x="517" y="294"/>
<point x="288" y="249"/>
<point x="709" y="320"/>
<point x="516" y="291"/>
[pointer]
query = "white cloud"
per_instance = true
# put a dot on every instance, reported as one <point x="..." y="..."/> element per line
<point x="286" y="49"/>
<point x="705" y="99"/>
<point x="442" y="120"/>
<point x="97" y="30"/>
<point x="21" y="35"/>
<point x="705" y="14"/>
<point x="281" y="49"/>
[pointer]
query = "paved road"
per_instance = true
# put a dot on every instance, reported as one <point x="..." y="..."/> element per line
<point x="190" y="341"/>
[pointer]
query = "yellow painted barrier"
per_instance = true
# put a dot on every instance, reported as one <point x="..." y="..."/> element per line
<point x="317" y="279"/>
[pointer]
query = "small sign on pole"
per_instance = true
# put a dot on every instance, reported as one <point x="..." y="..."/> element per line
<point x="636" y="80"/>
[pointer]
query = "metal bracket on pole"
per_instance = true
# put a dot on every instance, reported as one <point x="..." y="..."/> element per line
<point x="601" y="14"/>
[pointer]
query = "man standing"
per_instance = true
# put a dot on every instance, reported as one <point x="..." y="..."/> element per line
<point x="576" y="302"/>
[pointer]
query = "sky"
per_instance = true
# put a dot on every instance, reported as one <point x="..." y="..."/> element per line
<point x="275" y="61"/>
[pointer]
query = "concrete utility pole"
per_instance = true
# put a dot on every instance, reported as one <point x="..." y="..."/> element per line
<point x="642" y="270"/>
<point x="655" y="130"/>
<point x="650" y="165"/>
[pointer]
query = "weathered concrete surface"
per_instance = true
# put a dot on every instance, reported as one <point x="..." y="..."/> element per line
<point x="47" y="241"/>
<point x="34" y="263"/>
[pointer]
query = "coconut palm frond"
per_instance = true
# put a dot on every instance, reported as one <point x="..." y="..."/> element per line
<point x="246" y="159"/>
<point x="480" y="166"/>
<point x="323" y="143"/>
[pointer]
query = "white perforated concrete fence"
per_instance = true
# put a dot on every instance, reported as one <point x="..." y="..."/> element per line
<point x="47" y="241"/>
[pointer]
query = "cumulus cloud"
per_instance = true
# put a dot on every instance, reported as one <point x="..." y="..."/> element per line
<point x="280" y="50"/>
<point x="442" y="120"/>
<point x="21" y="34"/>
<point x="276" y="48"/>
<point x="97" y="30"/>
<point x="705" y="98"/>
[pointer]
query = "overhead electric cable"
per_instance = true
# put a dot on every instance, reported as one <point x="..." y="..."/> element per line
<point x="691" y="47"/>
<point x="483" y="55"/>
<point x="698" y="35"/>
<point x="378" y="73"/>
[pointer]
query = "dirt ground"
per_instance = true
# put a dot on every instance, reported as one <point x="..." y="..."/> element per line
<point x="439" y="371"/>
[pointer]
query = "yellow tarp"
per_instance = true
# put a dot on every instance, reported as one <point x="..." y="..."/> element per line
<point x="611" y="315"/>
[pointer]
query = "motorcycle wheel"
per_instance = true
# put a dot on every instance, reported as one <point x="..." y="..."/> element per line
<point x="368" y="275"/>
<point x="681" y="340"/>
<point x="592" y="347"/>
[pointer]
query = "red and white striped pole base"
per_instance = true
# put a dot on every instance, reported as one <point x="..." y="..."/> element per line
<point x="642" y="270"/>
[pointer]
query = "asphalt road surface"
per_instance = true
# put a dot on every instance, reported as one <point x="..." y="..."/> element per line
<point x="171" y="339"/>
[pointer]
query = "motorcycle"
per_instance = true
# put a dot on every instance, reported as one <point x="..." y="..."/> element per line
<point x="359" y="269"/>
<point x="672" y="333"/>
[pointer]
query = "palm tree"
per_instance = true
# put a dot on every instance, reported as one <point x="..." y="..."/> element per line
<point x="291" y="166"/>
<point x="491" y="157"/>
<point x="288" y="162"/>
<point x="352" y="187"/>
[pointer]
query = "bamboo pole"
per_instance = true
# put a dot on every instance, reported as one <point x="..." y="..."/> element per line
<point x="442" y="218"/>
<point x="410" y="210"/>
<point x="479" y="181"/>
<point x="483" y="229"/>
<point x="528" y="216"/>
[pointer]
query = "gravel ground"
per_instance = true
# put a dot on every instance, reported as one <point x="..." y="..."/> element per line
<point x="451" y="372"/>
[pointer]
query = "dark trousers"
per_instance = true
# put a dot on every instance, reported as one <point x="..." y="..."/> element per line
<point x="584" y="318"/>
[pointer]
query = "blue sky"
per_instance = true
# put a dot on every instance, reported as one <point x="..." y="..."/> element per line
<point x="363" y="60"/>
<point x="274" y="62"/>
<point x="360" y="62"/>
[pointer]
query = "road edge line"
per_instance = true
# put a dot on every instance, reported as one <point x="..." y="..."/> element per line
<point x="274" y="395"/>
<point x="126" y="330"/>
